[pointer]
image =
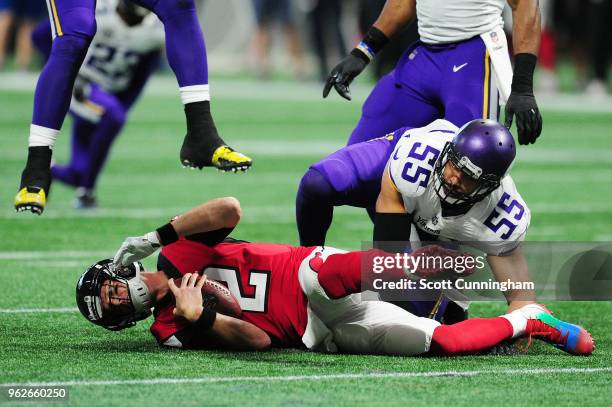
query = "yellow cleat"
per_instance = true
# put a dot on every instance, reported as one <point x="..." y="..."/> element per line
<point x="31" y="199"/>
<point x="226" y="159"/>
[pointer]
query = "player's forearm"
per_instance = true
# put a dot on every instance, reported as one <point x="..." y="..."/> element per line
<point x="216" y="214"/>
<point x="513" y="267"/>
<point x="395" y="16"/>
<point x="526" y="26"/>
<point x="237" y="334"/>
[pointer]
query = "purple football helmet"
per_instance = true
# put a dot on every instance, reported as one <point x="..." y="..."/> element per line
<point x="484" y="150"/>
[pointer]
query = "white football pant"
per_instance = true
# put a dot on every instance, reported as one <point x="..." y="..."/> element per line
<point x="354" y="326"/>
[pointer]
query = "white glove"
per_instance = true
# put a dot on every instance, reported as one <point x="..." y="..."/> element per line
<point x="136" y="248"/>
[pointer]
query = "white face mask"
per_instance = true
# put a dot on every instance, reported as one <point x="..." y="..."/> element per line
<point x="139" y="295"/>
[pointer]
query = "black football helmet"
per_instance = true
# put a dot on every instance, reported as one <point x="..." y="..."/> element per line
<point x="90" y="304"/>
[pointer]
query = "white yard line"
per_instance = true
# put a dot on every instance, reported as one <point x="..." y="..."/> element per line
<point x="60" y="254"/>
<point x="38" y="310"/>
<point x="300" y="378"/>
<point x="275" y="213"/>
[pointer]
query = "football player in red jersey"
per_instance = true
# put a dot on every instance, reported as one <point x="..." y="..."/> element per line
<point x="300" y="297"/>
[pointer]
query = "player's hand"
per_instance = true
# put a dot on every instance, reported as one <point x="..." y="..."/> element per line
<point x="435" y="258"/>
<point x="343" y="74"/>
<point x="188" y="296"/>
<point x="136" y="248"/>
<point x="528" y="118"/>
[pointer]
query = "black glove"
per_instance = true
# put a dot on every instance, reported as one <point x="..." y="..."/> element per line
<point x="343" y="74"/>
<point x="528" y="117"/>
<point x="522" y="103"/>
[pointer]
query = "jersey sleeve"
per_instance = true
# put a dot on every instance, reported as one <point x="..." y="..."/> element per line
<point x="412" y="164"/>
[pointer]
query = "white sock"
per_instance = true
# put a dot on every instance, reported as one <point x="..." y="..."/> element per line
<point x="194" y="93"/>
<point x="42" y="136"/>
<point x="518" y="318"/>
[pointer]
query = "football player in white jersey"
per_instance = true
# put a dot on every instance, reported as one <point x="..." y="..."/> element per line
<point x="121" y="58"/>
<point x="453" y="184"/>
<point x="459" y="70"/>
<point x="450" y="183"/>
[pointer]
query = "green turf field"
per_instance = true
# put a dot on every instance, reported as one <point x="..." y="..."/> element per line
<point x="565" y="179"/>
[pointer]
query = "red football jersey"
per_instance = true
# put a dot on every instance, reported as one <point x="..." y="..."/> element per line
<point x="262" y="276"/>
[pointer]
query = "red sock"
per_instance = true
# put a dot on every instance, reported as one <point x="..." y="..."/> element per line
<point x="341" y="274"/>
<point x="470" y="336"/>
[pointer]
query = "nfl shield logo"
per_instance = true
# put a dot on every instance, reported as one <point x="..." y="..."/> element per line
<point x="494" y="37"/>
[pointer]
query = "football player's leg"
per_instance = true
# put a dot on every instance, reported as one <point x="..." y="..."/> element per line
<point x="381" y="328"/>
<point x="73" y="27"/>
<point x="470" y="91"/>
<point x="186" y="51"/>
<point x="401" y="98"/>
<point x="314" y="208"/>
<point x="82" y="130"/>
<point x="109" y="126"/>
<point x="470" y="336"/>
<point x="350" y="176"/>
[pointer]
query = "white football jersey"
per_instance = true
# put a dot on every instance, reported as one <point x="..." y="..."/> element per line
<point x="117" y="48"/>
<point x="444" y="21"/>
<point x="495" y="225"/>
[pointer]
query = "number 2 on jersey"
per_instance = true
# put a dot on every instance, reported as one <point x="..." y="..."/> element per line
<point x="504" y="221"/>
<point x="258" y="279"/>
<point x="428" y="151"/>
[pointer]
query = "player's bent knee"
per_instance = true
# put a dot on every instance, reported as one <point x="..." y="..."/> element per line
<point x="71" y="47"/>
<point x="82" y="25"/>
<point x="402" y="340"/>
<point x="314" y="185"/>
<point x="352" y="338"/>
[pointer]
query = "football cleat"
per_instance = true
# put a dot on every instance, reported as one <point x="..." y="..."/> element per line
<point x="227" y="159"/>
<point x="31" y="199"/>
<point x="35" y="181"/>
<point x="568" y="337"/>
<point x="203" y="147"/>
<point x="84" y="199"/>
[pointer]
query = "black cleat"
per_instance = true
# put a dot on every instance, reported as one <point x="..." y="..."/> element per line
<point x="203" y="147"/>
<point x="35" y="181"/>
<point x="85" y="199"/>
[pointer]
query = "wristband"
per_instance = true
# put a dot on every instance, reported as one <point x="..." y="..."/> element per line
<point x="372" y="42"/>
<point x="524" y="66"/>
<point x="206" y="320"/>
<point x="167" y="234"/>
